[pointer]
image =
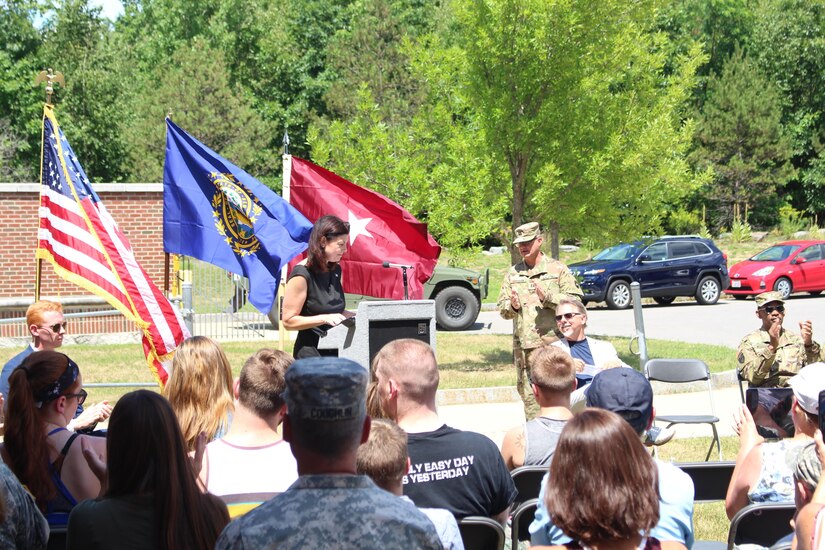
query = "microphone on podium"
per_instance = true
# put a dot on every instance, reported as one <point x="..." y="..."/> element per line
<point x="388" y="264"/>
<point x="404" y="269"/>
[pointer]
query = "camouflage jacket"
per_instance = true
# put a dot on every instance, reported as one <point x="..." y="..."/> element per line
<point x="535" y="318"/>
<point x="334" y="512"/>
<point x="763" y="368"/>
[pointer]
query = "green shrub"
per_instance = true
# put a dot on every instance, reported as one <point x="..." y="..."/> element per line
<point x="682" y="222"/>
<point x="790" y="220"/>
<point x="740" y="231"/>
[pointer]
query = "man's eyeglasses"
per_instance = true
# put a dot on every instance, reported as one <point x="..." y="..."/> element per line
<point x="567" y="316"/>
<point x="56" y="327"/>
<point x="771" y="309"/>
<point x="81" y="396"/>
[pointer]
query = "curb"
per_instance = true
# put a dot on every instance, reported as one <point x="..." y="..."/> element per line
<point x="508" y="394"/>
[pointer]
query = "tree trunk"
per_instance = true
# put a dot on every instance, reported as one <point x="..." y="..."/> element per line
<point x="554" y="239"/>
<point x="518" y="170"/>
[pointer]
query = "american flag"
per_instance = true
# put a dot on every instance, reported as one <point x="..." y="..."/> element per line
<point x="85" y="246"/>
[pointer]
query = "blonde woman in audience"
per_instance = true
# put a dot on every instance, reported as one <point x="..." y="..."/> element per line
<point x="200" y="389"/>
<point x="151" y="497"/>
<point x="44" y="393"/>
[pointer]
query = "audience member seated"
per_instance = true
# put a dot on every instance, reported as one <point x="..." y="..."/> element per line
<point x="21" y="523"/>
<point x="552" y="379"/>
<point x="385" y="460"/>
<point x="44" y="393"/>
<point x="150" y="496"/>
<point x="590" y="357"/>
<point x="614" y="502"/>
<point x="764" y="469"/>
<point x="200" y="389"/>
<point x="453" y="469"/>
<point x="252" y="463"/>
<point x="45" y="323"/>
<point x="330" y="506"/>
<point x="810" y="520"/>
<point x="628" y="393"/>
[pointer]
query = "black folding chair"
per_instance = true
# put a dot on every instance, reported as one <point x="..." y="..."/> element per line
<point x="481" y="533"/>
<point x="710" y="479"/>
<point x="521" y="520"/>
<point x="528" y="482"/>
<point x="763" y="524"/>
<point x="682" y="371"/>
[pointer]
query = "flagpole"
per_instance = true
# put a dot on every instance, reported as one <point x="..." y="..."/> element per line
<point x="50" y="78"/>
<point x="287" y="175"/>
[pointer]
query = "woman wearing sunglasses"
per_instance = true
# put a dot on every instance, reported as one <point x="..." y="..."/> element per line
<point x="44" y="393"/>
<point x="314" y="298"/>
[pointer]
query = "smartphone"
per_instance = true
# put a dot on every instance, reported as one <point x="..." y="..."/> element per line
<point x="821" y="408"/>
<point x="771" y="411"/>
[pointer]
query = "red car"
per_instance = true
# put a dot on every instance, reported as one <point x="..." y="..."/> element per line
<point x="791" y="266"/>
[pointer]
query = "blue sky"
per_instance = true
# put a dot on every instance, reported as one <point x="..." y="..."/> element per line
<point x="111" y="8"/>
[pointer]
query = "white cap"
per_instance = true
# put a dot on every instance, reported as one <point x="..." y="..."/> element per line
<point x="807" y="385"/>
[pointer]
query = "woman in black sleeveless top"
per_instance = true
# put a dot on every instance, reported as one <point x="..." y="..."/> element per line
<point x="314" y="299"/>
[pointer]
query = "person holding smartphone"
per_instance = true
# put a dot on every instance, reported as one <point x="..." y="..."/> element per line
<point x="764" y="469"/>
<point x="770" y="356"/>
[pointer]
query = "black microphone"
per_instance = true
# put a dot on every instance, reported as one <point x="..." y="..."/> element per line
<point x="388" y="264"/>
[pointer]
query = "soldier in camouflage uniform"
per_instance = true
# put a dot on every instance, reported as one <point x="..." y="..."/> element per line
<point x="330" y="506"/>
<point x="770" y="356"/>
<point x="529" y="294"/>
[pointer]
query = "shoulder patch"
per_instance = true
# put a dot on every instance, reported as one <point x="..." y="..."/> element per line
<point x="741" y="358"/>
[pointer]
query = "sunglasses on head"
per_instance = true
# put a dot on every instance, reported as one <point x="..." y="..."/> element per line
<point x="567" y="316"/>
<point x="771" y="309"/>
<point x="56" y="327"/>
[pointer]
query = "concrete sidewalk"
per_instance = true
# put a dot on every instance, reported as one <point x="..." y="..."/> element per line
<point x="495" y="410"/>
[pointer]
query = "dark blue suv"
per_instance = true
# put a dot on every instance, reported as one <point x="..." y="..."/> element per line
<point x="665" y="268"/>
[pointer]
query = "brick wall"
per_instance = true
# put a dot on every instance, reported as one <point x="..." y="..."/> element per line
<point x="137" y="209"/>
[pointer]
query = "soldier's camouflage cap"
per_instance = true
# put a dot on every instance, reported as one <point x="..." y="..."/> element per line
<point x="527" y="232"/>
<point x="768" y="297"/>
<point x="328" y="389"/>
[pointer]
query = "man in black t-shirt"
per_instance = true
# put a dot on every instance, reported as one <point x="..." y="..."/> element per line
<point x="453" y="469"/>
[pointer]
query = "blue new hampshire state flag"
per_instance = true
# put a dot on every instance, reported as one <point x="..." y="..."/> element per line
<point x="216" y="212"/>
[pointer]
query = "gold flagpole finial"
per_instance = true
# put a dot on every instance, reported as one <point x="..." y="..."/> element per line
<point x="49" y="78"/>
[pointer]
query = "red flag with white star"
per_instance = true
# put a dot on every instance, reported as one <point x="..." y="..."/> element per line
<point x="380" y="231"/>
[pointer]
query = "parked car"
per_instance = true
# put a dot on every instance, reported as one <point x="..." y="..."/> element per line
<point x="665" y="268"/>
<point x="790" y="266"/>
<point x="457" y="293"/>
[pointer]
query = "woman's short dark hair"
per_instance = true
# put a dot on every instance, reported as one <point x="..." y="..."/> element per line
<point x="598" y="495"/>
<point x="326" y="227"/>
<point x="146" y="455"/>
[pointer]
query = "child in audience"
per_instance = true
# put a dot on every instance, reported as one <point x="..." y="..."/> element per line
<point x="150" y="495"/>
<point x="385" y="460"/>
<point x="200" y="389"/>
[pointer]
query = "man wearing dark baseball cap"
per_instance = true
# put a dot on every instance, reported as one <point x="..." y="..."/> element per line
<point x="628" y="393"/>
<point x="330" y="506"/>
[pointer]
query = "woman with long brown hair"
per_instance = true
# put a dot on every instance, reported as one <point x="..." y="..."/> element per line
<point x="152" y="499"/>
<point x="603" y="489"/>
<point x="44" y="393"/>
<point x="200" y="389"/>
<point x="314" y="298"/>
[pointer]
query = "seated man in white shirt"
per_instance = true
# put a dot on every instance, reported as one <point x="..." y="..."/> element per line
<point x="252" y="463"/>
<point x="591" y="356"/>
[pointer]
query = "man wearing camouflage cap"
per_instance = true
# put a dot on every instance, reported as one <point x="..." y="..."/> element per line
<point x="330" y="506"/>
<point x="530" y="291"/>
<point x="770" y="356"/>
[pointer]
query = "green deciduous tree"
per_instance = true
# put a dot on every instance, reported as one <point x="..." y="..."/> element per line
<point x="203" y="103"/>
<point x="573" y="97"/>
<point x="740" y="135"/>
